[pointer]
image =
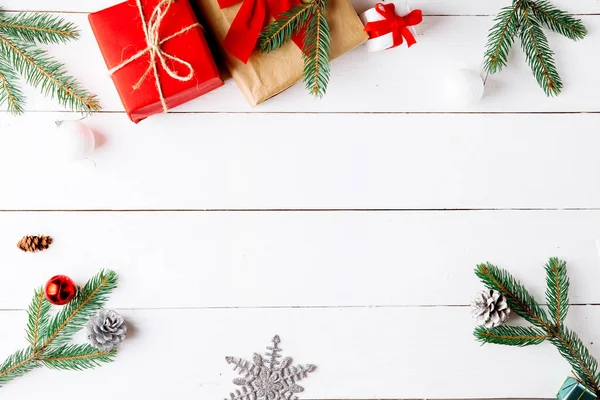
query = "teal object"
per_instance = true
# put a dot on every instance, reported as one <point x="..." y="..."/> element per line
<point x="573" y="390"/>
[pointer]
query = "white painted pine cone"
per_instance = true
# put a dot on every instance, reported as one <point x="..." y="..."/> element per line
<point x="490" y="309"/>
<point x="106" y="330"/>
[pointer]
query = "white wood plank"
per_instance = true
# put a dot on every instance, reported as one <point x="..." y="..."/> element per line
<point x="457" y="7"/>
<point x="400" y="80"/>
<point x="360" y="353"/>
<point x="274" y="259"/>
<point x="347" y="161"/>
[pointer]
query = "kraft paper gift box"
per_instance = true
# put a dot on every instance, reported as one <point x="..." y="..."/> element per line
<point x="265" y="75"/>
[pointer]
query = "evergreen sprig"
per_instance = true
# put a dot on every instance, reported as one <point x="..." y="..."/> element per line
<point x="19" y="56"/>
<point x="526" y="19"/>
<point x="49" y="336"/>
<point x="309" y="19"/>
<point x="566" y="341"/>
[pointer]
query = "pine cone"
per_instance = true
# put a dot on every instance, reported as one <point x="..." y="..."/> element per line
<point x="489" y="308"/>
<point x="34" y="243"/>
<point x="106" y="330"/>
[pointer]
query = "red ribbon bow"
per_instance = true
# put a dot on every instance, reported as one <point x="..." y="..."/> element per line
<point x="252" y="16"/>
<point x="394" y="24"/>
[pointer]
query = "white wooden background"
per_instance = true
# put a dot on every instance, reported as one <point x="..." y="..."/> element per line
<point x="351" y="231"/>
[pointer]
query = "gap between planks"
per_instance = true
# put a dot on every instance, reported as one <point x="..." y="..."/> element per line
<point x="219" y="210"/>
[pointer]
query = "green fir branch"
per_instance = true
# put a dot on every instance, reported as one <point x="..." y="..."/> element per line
<point x="16" y="365"/>
<point x="50" y="76"/>
<point x="19" y="56"/>
<point x="557" y="290"/>
<point x="37" y="28"/>
<point x="558" y="20"/>
<point x="501" y="38"/>
<point x="519" y="300"/>
<point x="316" y="47"/>
<point x="10" y="92"/>
<point x="511" y="335"/>
<point x="37" y="318"/>
<point x="76" y="357"/>
<point x="75" y="314"/>
<point x="526" y="18"/>
<point x="567" y="342"/>
<point x="280" y="31"/>
<point x="574" y="351"/>
<point x="49" y="336"/>
<point x="316" y="51"/>
<point x="538" y="54"/>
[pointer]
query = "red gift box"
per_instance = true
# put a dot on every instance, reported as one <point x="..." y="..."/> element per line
<point x="156" y="63"/>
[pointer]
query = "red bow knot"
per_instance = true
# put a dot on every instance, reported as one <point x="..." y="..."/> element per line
<point x="394" y="24"/>
<point x="249" y="21"/>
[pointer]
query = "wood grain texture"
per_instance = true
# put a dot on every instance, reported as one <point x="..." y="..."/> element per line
<point x="355" y="240"/>
<point x="366" y="162"/>
<point x="300" y="259"/>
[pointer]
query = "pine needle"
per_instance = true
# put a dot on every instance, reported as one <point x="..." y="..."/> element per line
<point x="538" y="54"/>
<point x="37" y="318"/>
<point x="500" y="39"/>
<point x="316" y="47"/>
<point x="316" y="52"/>
<point x="38" y="28"/>
<point x="73" y="316"/>
<point x="19" y="56"/>
<point x="10" y="93"/>
<point x="76" y="357"/>
<point x="557" y="20"/>
<point x="511" y="335"/>
<point x="519" y="299"/>
<point x="557" y="290"/>
<point x="50" y="76"/>
<point x="49" y="336"/>
<point x="277" y="33"/>
<point x="525" y="18"/>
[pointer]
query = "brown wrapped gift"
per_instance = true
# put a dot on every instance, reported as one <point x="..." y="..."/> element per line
<point x="266" y="75"/>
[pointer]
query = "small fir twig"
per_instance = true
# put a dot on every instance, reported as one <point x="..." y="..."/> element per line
<point x="525" y="19"/>
<point x="19" y="56"/>
<point x="544" y="327"/>
<point x="310" y="18"/>
<point x="48" y="336"/>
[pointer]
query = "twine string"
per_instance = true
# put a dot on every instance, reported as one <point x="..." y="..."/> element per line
<point x="157" y="54"/>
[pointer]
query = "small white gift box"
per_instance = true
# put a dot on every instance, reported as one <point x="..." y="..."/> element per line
<point x="385" y="41"/>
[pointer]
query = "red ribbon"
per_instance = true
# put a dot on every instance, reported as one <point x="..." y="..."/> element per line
<point x="252" y="16"/>
<point x="394" y="24"/>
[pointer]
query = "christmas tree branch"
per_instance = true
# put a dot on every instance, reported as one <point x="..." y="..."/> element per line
<point x="283" y="28"/>
<point x="50" y="76"/>
<point x="38" y="28"/>
<point x="557" y="20"/>
<point x="519" y="299"/>
<point x="316" y="48"/>
<point x="48" y="337"/>
<point x="500" y="39"/>
<point x="316" y="51"/>
<point x="10" y="93"/>
<point x="538" y="54"/>
<point x="38" y="317"/>
<point x="525" y="18"/>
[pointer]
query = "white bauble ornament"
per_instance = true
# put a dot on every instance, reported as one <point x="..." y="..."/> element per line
<point x="463" y="88"/>
<point x="73" y="140"/>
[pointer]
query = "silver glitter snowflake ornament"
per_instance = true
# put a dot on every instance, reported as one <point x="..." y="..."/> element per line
<point x="268" y="378"/>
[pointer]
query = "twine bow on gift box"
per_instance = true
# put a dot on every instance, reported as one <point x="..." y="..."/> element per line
<point x="395" y="24"/>
<point x="157" y="54"/>
<point x="249" y="21"/>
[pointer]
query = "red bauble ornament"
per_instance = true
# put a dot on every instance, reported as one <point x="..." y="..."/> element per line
<point x="60" y="290"/>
